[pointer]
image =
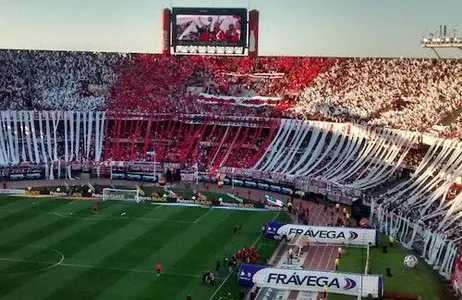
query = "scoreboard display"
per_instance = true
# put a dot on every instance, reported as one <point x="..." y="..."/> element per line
<point x="208" y="29"/>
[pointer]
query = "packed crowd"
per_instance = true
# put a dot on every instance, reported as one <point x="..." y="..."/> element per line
<point x="210" y="145"/>
<point x="453" y="130"/>
<point x="51" y="80"/>
<point x="47" y="80"/>
<point x="409" y="94"/>
<point x="247" y="255"/>
<point x="174" y="84"/>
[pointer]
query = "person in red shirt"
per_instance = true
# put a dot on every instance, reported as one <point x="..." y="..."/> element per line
<point x="158" y="267"/>
<point x="231" y="34"/>
<point x="235" y="37"/>
<point x="204" y="36"/>
<point x="203" y="32"/>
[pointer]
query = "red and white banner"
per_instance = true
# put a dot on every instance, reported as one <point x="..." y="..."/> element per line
<point x="257" y="101"/>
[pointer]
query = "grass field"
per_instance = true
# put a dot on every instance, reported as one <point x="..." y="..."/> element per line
<point x="421" y="279"/>
<point x="59" y="249"/>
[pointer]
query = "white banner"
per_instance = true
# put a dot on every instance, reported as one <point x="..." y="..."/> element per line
<point x="12" y="191"/>
<point x="188" y="177"/>
<point x="315" y="281"/>
<point x="332" y="235"/>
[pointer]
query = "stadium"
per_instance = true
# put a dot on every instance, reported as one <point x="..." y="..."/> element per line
<point x="211" y="172"/>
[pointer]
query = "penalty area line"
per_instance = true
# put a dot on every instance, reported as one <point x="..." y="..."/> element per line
<point x="203" y="215"/>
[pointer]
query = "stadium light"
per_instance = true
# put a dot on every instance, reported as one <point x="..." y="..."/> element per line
<point x="442" y="39"/>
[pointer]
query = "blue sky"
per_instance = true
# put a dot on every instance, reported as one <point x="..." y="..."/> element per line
<point x="385" y="28"/>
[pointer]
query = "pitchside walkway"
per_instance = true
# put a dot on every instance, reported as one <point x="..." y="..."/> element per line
<point x="315" y="257"/>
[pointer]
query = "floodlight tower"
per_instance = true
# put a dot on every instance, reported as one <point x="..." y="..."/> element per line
<point x="442" y="39"/>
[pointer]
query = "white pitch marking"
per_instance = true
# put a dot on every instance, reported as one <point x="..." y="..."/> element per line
<point x="121" y="218"/>
<point x="51" y="264"/>
<point x="84" y="266"/>
<point x="203" y="215"/>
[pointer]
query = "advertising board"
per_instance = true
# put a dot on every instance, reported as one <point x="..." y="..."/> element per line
<point x="328" y="235"/>
<point x="311" y="280"/>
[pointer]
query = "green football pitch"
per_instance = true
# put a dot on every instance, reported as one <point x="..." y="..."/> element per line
<point x="421" y="279"/>
<point x="58" y="249"/>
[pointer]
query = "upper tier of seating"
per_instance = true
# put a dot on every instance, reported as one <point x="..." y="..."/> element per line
<point x="410" y="94"/>
<point x="145" y="82"/>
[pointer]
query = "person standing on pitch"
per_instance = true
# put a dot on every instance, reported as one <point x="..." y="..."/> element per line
<point x="212" y="278"/>
<point x="225" y="261"/>
<point x="158" y="267"/>
<point x="95" y="207"/>
<point x="217" y="266"/>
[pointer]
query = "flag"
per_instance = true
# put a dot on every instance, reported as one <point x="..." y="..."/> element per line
<point x="213" y="170"/>
<point x="270" y="200"/>
<point x="170" y="193"/>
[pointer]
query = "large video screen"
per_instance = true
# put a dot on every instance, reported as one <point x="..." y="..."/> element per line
<point x="209" y="26"/>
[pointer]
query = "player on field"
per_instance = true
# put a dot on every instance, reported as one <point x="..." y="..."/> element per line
<point x="95" y="207"/>
<point x="158" y="267"/>
<point x="239" y="227"/>
<point x="217" y="266"/>
<point x="235" y="229"/>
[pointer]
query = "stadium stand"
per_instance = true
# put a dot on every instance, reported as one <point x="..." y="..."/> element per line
<point x="346" y="127"/>
<point x="408" y="94"/>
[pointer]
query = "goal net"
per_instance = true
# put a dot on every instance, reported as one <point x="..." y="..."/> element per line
<point x="121" y="195"/>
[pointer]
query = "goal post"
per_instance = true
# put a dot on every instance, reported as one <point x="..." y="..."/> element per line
<point x="121" y="195"/>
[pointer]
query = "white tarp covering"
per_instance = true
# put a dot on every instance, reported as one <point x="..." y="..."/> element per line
<point x="315" y="281"/>
<point x="330" y="235"/>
